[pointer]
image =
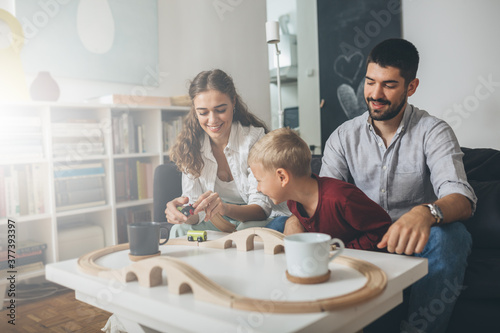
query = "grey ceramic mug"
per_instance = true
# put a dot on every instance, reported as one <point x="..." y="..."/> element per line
<point x="144" y="238"/>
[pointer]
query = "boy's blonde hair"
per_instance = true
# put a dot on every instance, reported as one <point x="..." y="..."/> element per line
<point x="282" y="148"/>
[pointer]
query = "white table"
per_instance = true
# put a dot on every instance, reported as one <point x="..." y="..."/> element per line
<point x="253" y="274"/>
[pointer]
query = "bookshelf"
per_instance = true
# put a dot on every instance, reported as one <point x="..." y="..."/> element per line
<point x="66" y="169"/>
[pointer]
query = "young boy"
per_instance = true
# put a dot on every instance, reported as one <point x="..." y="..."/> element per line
<point x="281" y="163"/>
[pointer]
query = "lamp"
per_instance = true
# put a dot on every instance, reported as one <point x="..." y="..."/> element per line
<point x="273" y="37"/>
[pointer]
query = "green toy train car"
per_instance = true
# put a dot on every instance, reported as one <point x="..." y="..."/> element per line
<point x="197" y="235"/>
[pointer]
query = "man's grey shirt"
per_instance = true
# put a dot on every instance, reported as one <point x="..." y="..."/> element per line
<point x="422" y="163"/>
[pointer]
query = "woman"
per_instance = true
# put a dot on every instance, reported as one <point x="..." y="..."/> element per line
<point x="211" y="151"/>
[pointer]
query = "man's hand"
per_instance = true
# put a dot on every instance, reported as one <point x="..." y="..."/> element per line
<point x="293" y="226"/>
<point x="410" y="233"/>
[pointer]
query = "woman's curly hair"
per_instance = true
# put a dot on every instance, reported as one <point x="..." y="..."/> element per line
<point x="186" y="152"/>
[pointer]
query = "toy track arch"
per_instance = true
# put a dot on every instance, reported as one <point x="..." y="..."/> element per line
<point x="181" y="277"/>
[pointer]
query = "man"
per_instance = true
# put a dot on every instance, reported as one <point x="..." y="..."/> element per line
<point x="410" y="163"/>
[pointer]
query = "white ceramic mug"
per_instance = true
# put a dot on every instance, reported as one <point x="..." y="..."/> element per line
<point x="308" y="254"/>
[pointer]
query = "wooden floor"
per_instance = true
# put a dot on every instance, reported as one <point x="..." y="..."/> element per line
<point x="57" y="313"/>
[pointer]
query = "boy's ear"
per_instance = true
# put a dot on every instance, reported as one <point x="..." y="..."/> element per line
<point x="283" y="176"/>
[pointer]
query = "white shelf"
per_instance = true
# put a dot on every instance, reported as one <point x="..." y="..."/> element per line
<point x="135" y="155"/>
<point x="45" y="226"/>
<point x="25" y="218"/>
<point x="27" y="160"/>
<point x="83" y="210"/>
<point x="134" y="203"/>
<point x="79" y="158"/>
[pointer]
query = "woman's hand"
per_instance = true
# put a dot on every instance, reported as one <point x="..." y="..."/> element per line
<point x="176" y="217"/>
<point x="211" y="203"/>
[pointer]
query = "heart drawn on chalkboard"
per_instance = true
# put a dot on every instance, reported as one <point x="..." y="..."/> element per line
<point x="348" y="67"/>
<point x="353" y="103"/>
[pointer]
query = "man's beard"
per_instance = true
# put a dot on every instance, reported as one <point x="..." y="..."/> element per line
<point x="388" y="114"/>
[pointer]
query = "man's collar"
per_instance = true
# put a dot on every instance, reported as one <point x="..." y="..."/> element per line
<point x="404" y="121"/>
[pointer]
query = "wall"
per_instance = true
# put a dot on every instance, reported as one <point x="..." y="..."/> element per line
<point x="305" y="92"/>
<point x="308" y="74"/>
<point x="459" y="65"/>
<point x="289" y="93"/>
<point x="225" y="34"/>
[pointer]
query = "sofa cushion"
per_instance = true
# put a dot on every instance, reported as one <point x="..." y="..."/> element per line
<point x="481" y="164"/>
<point x="481" y="275"/>
<point x="484" y="226"/>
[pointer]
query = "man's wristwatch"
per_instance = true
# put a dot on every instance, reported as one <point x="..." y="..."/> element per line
<point x="435" y="211"/>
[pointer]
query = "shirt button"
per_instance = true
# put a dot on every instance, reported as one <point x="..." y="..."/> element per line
<point x="380" y="145"/>
<point x="383" y="190"/>
<point x="384" y="167"/>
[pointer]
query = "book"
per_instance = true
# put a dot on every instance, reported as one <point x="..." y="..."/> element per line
<point x="120" y="181"/>
<point x="11" y="192"/>
<point x="81" y="205"/>
<point x="76" y="184"/>
<point x="20" y="137"/>
<point x="22" y="190"/>
<point x="23" y="269"/>
<point x="38" y="190"/>
<point x="124" y="123"/>
<point x="4" y="255"/>
<point x="75" y="170"/>
<point x="140" y="139"/>
<point x="80" y="197"/>
<point x="132" y="180"/>
<point x="149" y="180"/>
<point x="20" y="260"/>
<point x="25" y="247"/>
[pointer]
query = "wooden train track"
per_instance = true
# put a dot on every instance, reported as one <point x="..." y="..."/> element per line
<point x="183" y="278"/>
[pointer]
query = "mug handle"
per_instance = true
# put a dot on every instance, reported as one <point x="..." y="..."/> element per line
<point x="340" y="248"/>
<point x="166" y="238"/>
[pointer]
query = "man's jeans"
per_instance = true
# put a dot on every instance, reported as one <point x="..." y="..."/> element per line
<point x="428" y="304"/>
<point x="278" y="223"/>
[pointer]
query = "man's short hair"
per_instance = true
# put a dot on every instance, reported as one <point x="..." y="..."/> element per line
<point x="282" y="148"/>
<point x="399" y="53"/>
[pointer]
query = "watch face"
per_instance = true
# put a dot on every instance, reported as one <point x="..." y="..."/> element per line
<point x="437" y="211"/>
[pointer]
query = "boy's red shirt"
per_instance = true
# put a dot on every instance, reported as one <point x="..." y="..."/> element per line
<point x="345" y="212"/>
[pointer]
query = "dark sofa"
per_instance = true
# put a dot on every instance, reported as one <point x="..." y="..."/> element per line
<point x="478" y="307"/>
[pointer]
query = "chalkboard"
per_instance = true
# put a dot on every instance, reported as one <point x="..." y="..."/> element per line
<point x="347" y="31"/>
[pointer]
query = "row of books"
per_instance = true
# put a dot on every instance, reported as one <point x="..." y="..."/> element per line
<point x="130" y="215"/>
<point x="77" y="137"/>
<point x="171" y="129"/>
<point x="28" y="255"/>
<point x="133" y="180"/>
<point x="21" y="190"/>
<point x="79" y="185"/>
<point x="21" y="138"/>
<point x="128" y="137"/>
